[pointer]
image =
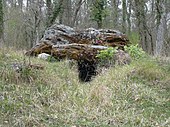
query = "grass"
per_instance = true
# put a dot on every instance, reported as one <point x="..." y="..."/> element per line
<point x="128" y="96"/>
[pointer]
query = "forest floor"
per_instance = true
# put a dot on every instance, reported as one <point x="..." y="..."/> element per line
<point x="128" y="96"/>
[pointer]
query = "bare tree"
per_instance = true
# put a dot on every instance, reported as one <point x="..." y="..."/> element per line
<point x="98" y="11"/>
<point x="124" y="14"/>
<point x="20" y="3"/>
<point x="161" y="27"/>
<point x="1" y="22"/>
<point x="140" y="14"/>
<point x="129" y="15"/>
<point x="49" y="12"/>
<point x="78" y="6"/>
<point x="115" y="12"/>
<point x="57" y="10"/>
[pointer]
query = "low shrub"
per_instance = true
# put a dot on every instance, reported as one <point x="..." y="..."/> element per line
<point x="106" y="56"/>
<point x="135" y="51"/>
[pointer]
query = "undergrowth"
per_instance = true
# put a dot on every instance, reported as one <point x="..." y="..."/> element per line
<point x="128" y="96"/>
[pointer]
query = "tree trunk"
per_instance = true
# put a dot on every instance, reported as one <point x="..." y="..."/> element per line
<point x="58" y="6"/>
<point x="129" y="16"/>
<point x="99" y="23"/>
<point x="142" y="24"/>
<point x="27" y="4"/>
<point x="49" y="12"/>
<point x="124" y="16"/>
<point x="76" y="11"/>
<point x="115" y="13"/>
<point x="98" y="12"/>
<point x="161" y="28"/>
<point x="1" y="23"/>
<point x="160" y="36"/>
<point x="20" y="3"/>
<point x="67" y="19"/>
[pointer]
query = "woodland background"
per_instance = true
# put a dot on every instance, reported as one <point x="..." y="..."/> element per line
<point x="146" y="22"/>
